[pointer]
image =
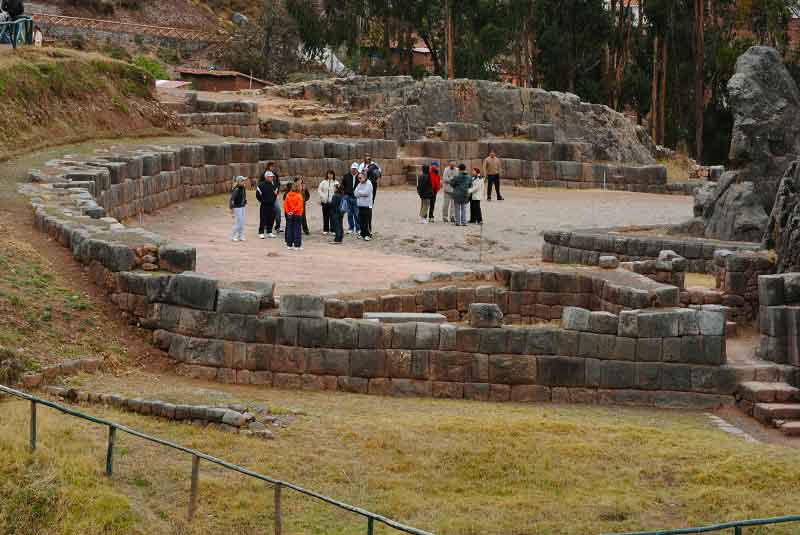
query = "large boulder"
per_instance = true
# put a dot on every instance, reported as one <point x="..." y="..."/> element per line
<point x="783" y="230"/>
<point x="765" y="103"/>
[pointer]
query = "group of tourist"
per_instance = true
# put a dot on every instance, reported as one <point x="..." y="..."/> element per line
<point x="354" y="196"/>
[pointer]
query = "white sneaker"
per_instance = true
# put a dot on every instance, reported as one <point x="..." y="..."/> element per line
<point x="234" y="239"/>
<point x="261" y="236"/>
<point x="298" y="248"/>
<point x="271" y="235"/>
<point x="289" y="247"/>
<point x="367" y="238"/>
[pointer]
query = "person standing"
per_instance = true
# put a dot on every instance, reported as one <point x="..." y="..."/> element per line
<point x="349" y="183"/>
<point x="373" y="172"/>
<point x="306" y="196"/>
<point x="38" y="37"/>
<point x="461" y="184"/>
<point x="337" y="214"/>
<point x="237" y="203"/>
<point x="492" y="167"/>
<point x="294" y="207"/>
<point x="326" y="191"/>
<point x="476" y="193"/>
<point x="265" y="194"/>
<point x="436" y="185"/>
<point x="425" y="192"/>
<point x="276" y="183"/>
<point x="364" y="200"/>
<point x="448" y="208"/>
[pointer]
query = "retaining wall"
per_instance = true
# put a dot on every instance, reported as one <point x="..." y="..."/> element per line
<point x="587" y="246"/>
<point x="232" y="118"/>
<point x="779" y="318"/>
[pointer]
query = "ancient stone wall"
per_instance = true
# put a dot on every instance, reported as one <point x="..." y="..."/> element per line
<point x="232" y="118"/>
<point x="779" y="318"/>
<point x="586" y="247"/>
<point x="737" y="279"/>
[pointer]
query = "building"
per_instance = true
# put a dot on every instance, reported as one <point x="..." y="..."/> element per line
<point x="212" y="80"/>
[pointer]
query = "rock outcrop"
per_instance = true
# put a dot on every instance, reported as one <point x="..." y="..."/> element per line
<point x="766" y="138"/>
<point x="783" y="231"/>
<point x="404" y="108"/>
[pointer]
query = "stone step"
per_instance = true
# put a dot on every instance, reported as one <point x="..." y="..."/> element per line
<point x="767" y="392"/>
<point x="767" y="412"/>
<point x="790" y="429"/>
<point x="405" y="317"/>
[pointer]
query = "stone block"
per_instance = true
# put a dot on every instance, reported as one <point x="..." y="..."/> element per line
<point x="617" y="374"/>
<point x="344" y="334"/>
<point x="671" y="349"/>
<point x="287" y="331"/>
<point x="447" y="390"/>
<point x="427" y="336"/>
<point x="711" y="320"/>
<point x="410" y="388"/>
<point x="404" y="335"/>
<point x="609" y="262"/>
<point x="287" y="381"/>
<point x="603" y="323"/>
<point x="328" y="362"/>
<point x="770" y="290"/>
<point x="288" y="359"/>
<point x="567" y="343"/>
<point x="369" y="334"/>
<point x="483" y="315"/>
<point x="629" y="323"/>
<point x="458" y="366"/>
<point x="512" y="369"/>
<point x="624" y="349"/>
<point x="588" y="344"/>
<point x="561" y="371"/>
<point x="714" y="350"/>
<point x="477" y="391"/>
<point x="313" y="332"/>
<point x="302" y="306"/>
<point x="499" y="392"/>
<point x="448" y="298"/>
<point x="192" y="290"/>
<point x="648" y="375"/>
<point x="493" y="341"/>
<point x="319" y="382"/>
<point x="407" y="364"/>
<point x="575" y="319"/>
<point x="354" y="385"/>
<point x="658" y="324"/>
<point x="540" y="341"/>
<point x="688" y="323"/>
<point x="368" y="363"/>
<point x="177" y="257"/>
<point x="447" y="337"/>
<point x="530" y="393"/>
<point x="517" y="340"/>
<point x="676" y="377"/>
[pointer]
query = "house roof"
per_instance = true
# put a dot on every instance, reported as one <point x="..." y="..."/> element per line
<point x="221" y="74"/>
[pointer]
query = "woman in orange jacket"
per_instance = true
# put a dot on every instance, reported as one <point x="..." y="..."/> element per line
<point x="293" y="207"/>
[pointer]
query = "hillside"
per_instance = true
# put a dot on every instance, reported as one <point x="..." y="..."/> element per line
<point x="59" y="96"/>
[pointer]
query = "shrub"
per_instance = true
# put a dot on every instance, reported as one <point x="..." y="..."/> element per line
<point x="154" y="67"/>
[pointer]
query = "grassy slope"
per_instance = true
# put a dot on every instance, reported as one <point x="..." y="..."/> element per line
<point x="451" y="467"/>
<point x="52" y="96"/>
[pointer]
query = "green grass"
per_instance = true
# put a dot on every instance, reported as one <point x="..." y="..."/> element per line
<point x="451" y="467"/>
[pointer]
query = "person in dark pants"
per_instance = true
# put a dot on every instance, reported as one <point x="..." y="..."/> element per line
<point x="492" y="167"/>
<point x="349" y="183"/>
<point x="436" y="185"/>
<point x="301" y="187"/>
<point x="476" y="193"/>
<point x="326" y="190"/>
<point x="276" y="183"/>
<point x="337" y="214"/>
<point x="265" y="193"/>
<point x="294" y="208"/>
<point x="364" y="200"/>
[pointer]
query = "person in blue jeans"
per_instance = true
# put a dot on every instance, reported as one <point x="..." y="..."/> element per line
<point x="349" y="184"/>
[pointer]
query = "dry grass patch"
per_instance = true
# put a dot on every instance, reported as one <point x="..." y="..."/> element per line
<point x="451" y="467"/>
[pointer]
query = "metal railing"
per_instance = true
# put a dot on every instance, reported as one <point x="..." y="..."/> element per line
<point x="197" y="456"/>
<point x="735" y="526"/>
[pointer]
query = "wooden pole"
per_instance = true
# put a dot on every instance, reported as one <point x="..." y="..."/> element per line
<point x="663" y="92"/>
<point x="654" y="94"/>
<point x="451" y="67"/>
<point x="112" y="434"/>
<point x="699" y="71"/>
<point x="33" y="426"/>
<point x="278" y="513"/>
<point x="193" y="489"/>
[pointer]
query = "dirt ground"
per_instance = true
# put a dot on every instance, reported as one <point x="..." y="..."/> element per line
<point x="512" y="232"/>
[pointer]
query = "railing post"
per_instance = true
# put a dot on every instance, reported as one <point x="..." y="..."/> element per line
<point x="370" y="525"/>
<point x="278" y="513"/>
<point x="193" y="490"/>
<point x="33" y="425"/>
<point x="112" y="435"/>
<point x="737" y="530"/>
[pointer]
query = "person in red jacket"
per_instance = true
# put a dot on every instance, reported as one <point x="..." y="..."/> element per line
<point x="294" y="208"/>
<point x="436" y="185"/>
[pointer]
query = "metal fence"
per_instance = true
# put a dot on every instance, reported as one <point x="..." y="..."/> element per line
<point x="115" y="26"/>
<point x="197" y="456"/>
<point x="733" y="528"/>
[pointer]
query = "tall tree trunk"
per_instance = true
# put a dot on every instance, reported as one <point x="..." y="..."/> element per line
<point x="663" y="91"/>
<point x="699" y="71"/>
<point x="448" y="13"/>
<point x="654" y="92"/>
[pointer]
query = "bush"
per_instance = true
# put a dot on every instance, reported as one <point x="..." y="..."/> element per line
<point x="154" y="67"/>
<point x="168" y="55"/>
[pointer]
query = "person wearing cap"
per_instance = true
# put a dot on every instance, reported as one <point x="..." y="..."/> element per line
<point x="476" y="192"/>
<point x="276" y="183"/>
<point x="364" y="196"/>
<point x="237" y="203"/>
<point x="349" y="184"/>
<point x="326" y="191"/>
<point x="373" y="173"/>
<point x="265" y="194"/>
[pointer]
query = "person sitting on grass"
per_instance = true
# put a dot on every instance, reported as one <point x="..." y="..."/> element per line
<point x="294" y="208"/>
<point x="237" y="203"/>
<point x="476" y="192"/>
<point x="364" y="199"/>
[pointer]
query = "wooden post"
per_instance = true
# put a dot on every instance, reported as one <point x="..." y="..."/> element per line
<point x="33" y="425"/>
<point x="278" y="513"/>
<point x="112" y="434"/>
<point x="370" y="526"/>
<point x="451" y="68"/>
<point x="193" y="489"/>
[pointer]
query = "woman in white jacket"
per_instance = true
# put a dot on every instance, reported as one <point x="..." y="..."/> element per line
<point x="476" y="192"/>
<point x="326" y="190"/>
<point x="364" y="200"/>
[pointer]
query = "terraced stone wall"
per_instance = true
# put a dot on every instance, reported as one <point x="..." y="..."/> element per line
<point x="779" y="318"/>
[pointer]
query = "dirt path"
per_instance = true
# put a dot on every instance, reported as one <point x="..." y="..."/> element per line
<point x="512" y="232"/>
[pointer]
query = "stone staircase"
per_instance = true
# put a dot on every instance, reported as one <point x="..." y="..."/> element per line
<point x="773" y="403"/>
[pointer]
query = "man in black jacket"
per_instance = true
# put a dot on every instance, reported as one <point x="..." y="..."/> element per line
<point x="276" y="183"/>
<point x="349" y="183"/>
<point x="265" y="193"/>
<point x="237" y="203"/>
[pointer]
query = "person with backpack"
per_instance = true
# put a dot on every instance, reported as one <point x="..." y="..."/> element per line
<point x="461" y="184"/>
<point x="237" y="203"/>
<point x="373" y="172"/>
<point x="326" y="191"/>
<point x="425" y="192"/>
<point x="265" y="194"/>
